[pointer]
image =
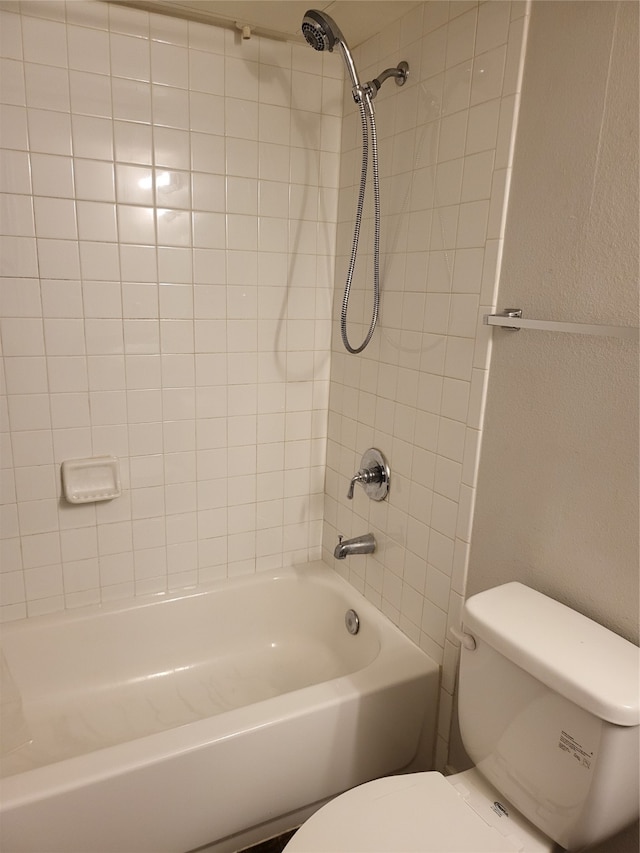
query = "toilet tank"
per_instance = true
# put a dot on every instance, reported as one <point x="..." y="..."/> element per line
<point x="549" y="710"/>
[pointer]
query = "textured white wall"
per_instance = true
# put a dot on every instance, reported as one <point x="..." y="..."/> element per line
<point x="557" y="498"/>
<point x="558" y="488"/>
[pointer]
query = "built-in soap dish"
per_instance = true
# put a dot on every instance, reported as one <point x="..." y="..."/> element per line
<point x="94" y="479"/>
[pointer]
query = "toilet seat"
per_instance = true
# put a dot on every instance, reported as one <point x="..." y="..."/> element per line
<point x="415" y="813"/>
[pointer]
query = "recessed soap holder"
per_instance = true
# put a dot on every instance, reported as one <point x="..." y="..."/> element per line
<point x="96" y="478"/>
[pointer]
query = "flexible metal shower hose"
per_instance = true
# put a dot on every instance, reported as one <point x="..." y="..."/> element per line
<point x="364" y="110"/>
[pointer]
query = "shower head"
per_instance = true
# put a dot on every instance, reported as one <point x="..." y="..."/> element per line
<point x="322" y="33"/>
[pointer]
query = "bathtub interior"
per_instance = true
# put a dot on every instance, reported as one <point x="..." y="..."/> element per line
<point x="339" y="710"/>
<point x="80" y="683"/>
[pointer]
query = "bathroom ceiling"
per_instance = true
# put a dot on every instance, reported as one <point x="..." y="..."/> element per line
<point x="358" y="20"/>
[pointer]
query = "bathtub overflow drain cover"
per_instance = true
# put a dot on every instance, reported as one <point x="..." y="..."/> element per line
<point x="352" y="621"/>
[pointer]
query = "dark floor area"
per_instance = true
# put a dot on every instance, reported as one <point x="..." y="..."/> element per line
<point x="273" y="845"/>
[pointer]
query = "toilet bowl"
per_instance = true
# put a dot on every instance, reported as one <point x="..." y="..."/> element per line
<point x="549" y="711"/>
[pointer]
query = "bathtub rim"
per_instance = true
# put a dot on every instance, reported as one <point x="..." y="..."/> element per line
<point x="316" y="570"/>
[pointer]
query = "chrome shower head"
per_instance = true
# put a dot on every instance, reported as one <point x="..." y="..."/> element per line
<point x="321" y="31"/>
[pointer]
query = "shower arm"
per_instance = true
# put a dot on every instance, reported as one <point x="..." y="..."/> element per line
<point x="399" y="73"/>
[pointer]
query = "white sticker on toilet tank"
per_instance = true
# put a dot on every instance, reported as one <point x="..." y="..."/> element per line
<point x="570" y="745"/>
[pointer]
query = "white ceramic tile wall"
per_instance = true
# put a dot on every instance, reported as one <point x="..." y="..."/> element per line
<point x="169" y="199"/>
<point x="417" y="391"/>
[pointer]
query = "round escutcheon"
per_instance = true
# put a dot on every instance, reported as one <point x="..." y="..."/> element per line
<point x="352" y="621"/>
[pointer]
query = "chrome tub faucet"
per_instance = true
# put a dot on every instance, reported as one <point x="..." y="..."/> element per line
<point x="365" y="544"/>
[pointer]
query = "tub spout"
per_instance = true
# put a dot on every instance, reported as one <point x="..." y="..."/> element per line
<point x="365" y="544"/>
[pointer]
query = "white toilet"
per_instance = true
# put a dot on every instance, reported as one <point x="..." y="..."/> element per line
<point x="549" y="710"/>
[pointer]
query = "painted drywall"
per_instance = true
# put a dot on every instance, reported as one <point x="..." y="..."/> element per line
<point x="557" y="496"/>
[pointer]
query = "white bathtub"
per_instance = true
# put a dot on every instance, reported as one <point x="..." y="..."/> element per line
<point x="203" y="719"/>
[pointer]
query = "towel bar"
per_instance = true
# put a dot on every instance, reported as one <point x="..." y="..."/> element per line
<point x="506" y="320"/>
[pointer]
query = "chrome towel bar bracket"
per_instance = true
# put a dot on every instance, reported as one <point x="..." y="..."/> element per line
<point x="512" y="320"/>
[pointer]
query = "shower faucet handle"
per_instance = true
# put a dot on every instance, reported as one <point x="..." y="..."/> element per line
<point x="374" y="476"/>
<point x="365" y="475"/>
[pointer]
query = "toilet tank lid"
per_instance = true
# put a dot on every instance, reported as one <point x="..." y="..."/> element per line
<point x="570" y="653"/>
